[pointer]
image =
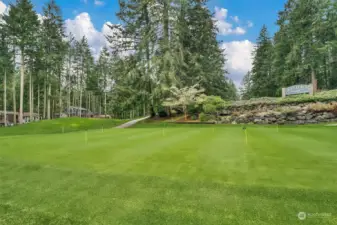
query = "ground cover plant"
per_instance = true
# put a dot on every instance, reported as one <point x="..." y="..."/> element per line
<point x="170" y="174"/>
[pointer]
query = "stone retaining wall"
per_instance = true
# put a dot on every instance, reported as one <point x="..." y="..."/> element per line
<point x="287" y="114"/>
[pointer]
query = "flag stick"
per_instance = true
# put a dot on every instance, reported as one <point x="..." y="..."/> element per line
<point x="86" y="136"/>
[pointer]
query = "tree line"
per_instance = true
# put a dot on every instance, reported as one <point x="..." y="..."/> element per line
<point x="304" y="48"/>
<point x="160" y="44"/>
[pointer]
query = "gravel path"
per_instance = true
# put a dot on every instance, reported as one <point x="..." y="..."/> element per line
<point x="132" y="122"/>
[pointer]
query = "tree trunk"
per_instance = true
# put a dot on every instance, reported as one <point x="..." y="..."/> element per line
<point x="5" y="100"/>
<point x="100" y="105"/>
<point x="30" y="99"/>
<point x="89" y="102"/>
<point x="33" y="103"/>
<point x="80" y="111"/>
<point x="104" y="103"/>
<point x="53" y="110"/>
<point x="14" y="99"/>
<point x="22" y="83"/>
<point x="60" y="98"/>
<point x="38" y="100"/>
<point x="48" y="101"/>
<point x="69" y="82"/>
<point x="45" y="99"/>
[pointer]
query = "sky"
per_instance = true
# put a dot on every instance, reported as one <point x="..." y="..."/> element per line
<point x="239" y="23"/>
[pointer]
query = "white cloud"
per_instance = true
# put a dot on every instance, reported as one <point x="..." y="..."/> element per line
<point x="221" y="14"/>
<point x="250" y="24"/>
<point x="99" y="3"/>
<point x="83" y="26"/>
<point x="3" y="8"/>
<point x="226" y="28"/>
<point x="235" y="19"/>
<point x="239" y="59"/>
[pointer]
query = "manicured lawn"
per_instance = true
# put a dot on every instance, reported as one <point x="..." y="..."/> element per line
<point x="64" y="125"/>
<point x="178" y="175"/>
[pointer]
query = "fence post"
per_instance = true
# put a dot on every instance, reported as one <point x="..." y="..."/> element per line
<point x="283" y="92"/>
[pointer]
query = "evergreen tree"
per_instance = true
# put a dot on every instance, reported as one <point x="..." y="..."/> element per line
<point x="246" y="88"/>
<point x="21" y="25"/>
<point x="54" y="50"/>
<point x="263" y="82"/>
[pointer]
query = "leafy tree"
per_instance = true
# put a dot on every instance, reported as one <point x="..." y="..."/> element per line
<point x="183" y="97"/>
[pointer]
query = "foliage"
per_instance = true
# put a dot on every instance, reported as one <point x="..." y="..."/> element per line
<point x="213" y="104"/>
<point x="262" y="80"/>
<point x="321" y="107"/>
<point x="203" y="117"/>
<point x="158" y="44"/>
<point x="303" y="49"/>
<point x="184" y="97"/>
<point x="162" y="112"/>
<point x="324" y="96"/>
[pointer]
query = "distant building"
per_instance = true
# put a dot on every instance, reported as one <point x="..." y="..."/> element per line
<point x="10" y="117"/>
<point x="76" y="111"/>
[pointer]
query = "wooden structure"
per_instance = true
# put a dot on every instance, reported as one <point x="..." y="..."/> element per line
<point x="11" y="115"/>
<point x="74" y="111"/>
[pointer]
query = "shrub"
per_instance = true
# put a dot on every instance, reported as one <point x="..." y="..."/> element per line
<point x="206" y="118"/>
<point x="202" y="117"/>
<point x="323" y="107"/>
<point x="173" y="112"/>
<point x="162" y="111"/>
<point x="324" y="96"/>
<point x="194" y="109"/>
<point x="194" y="117"/>
<point x="209" y="108"/>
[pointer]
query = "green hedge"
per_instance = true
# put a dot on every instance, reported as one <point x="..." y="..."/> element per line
<point x="324" y="96"/>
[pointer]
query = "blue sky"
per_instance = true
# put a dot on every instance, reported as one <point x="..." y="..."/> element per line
<point x="239" y="22"/>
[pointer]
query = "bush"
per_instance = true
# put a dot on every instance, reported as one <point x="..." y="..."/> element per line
<point x="202" y="117"/>
<point x="173" y="113"/>
<point x="213" y="104"/>
<point x="321" y="107"/>
<point x="194" y="117"/>
<point x="209" y="108"/>
<point x="193" y="109"/>
<point x="324" y="96"/>
<point x="206" y="118"/>
<point x="162" y="112"/>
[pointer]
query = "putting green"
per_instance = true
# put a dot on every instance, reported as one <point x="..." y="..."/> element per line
<point x="171" y="175"/>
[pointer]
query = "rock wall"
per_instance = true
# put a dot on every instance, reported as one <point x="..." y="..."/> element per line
<point x="287" y="114"/>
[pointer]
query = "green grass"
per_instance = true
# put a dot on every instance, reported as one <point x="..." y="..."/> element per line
<point x="178" y="175"/>
<point x="64" y="125"/>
